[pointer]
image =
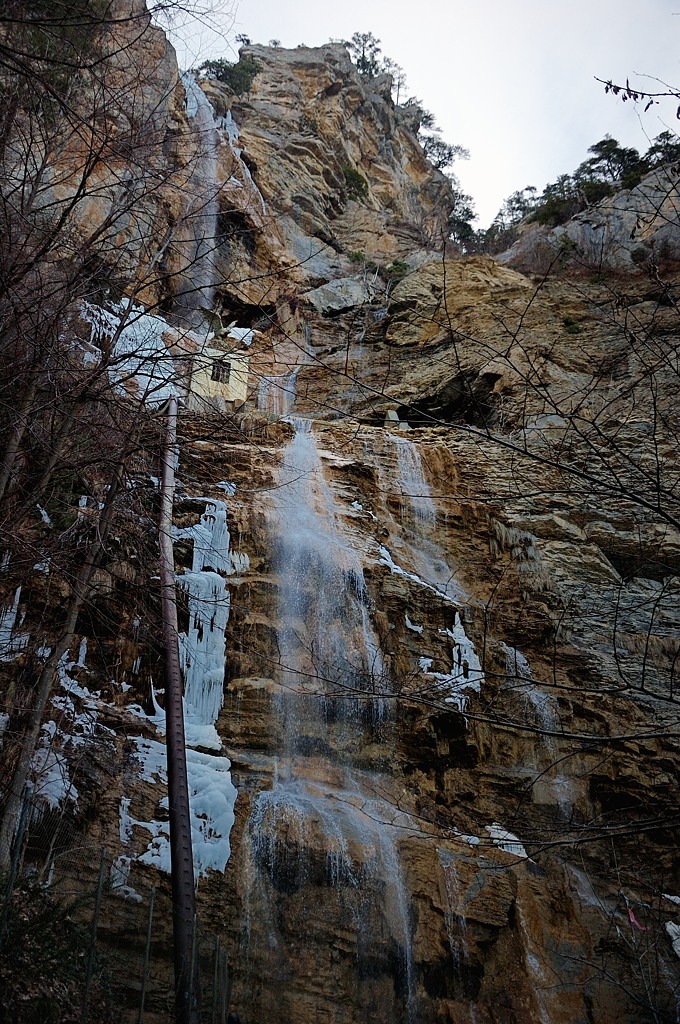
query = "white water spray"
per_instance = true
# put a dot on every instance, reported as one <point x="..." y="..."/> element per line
<point x="202" y="212"/>
<point x="322" y="822"/>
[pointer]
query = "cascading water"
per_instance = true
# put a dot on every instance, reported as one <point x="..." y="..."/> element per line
<point x="417" y="535"/>
<point x="230" y="128"/>
<point x="456" y="925"/>
<point x="414" y="487"/>
<point x="198" y="234"/>
<point x="276" y="395"/>
<point x="198" y="292"/>
<point x="543" y="712"/>
<point x="323" y="832"/>
<point x="326" y="643"/>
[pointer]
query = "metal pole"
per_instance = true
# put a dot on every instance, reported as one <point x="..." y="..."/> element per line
<point x="194" y="959"/>
<point x="226" y="989"/>
<point x="14" y="866"/>
<point x="181" y="856"/>
<point x="147" y="948"/>
<point x="93" y="939"/>
<point x="216" y="974"/>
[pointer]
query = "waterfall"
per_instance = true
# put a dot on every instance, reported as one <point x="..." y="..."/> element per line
<point x="323" y="831"/>
<point x="200" y="240"/>
<point x="203" y="209"/>
<point x="327" y="646"/>
<point x="276" y="395"/>
<point x="411" y="478"/>
<point x="534" y="959"/>
<point x="543" y="711"/>
<point x="417" y="534"/>
<point x="456" y="923"/>
<point x="340" y="846"/>
<point x="230" y="128"/>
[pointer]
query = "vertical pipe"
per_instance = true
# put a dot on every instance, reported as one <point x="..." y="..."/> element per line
<point x="226" y="989"/>
<point x="93" y="939"/>
<point x="193" y="964"/>
<point x="147" y="949"/>
<point x="181" y="855"/>
<point x="216" y="978"/>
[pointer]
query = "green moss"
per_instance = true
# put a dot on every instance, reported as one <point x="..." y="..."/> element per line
<point x="393" y="271"/>
<point x="397" y="269"/>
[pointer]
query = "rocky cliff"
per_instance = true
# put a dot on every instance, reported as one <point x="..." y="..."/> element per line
<point x="428" y="581"/>
<point x="632" y="227"/>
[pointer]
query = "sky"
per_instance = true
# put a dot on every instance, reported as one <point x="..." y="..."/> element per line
<point x="511" y="80"/>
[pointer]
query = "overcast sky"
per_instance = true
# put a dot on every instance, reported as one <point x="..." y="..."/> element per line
<point x="512" y="80"/>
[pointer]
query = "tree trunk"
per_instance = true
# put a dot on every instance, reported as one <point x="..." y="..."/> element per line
<point x="29" y="741"/>
<point x="16" y="435"/>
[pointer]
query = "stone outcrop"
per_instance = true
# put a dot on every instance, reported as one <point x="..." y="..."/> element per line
<point x="632" y="227"/>
<point x="339" y="176"/>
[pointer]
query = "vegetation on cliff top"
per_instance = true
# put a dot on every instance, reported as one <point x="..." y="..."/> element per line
<point x="610" y="168"/>
<point x="237" y="76"/>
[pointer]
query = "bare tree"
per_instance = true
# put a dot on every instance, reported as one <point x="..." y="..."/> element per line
<point x="89" y="205"/>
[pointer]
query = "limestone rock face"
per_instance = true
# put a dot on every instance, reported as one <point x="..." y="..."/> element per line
<point x="339" y="170"/>
<point x="632" y="226"/>
<point x="309" y="124"/>
<point x="105" y="174"/>
<point x="338" y="296"/>
<point x="450" y="686"/>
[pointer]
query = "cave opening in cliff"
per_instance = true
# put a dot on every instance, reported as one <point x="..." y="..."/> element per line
<point x="260" y="316"/>
<point x="234" y="227"/>
<point x="466" y="398"/>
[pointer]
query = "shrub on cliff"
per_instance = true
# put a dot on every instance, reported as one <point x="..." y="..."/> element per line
<point x="356" y="185"/>
<point x="238" y="77"/>
<point x="461" y="216"/>
<point x="610" y="168"/>
<point x="364" y="48"/>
